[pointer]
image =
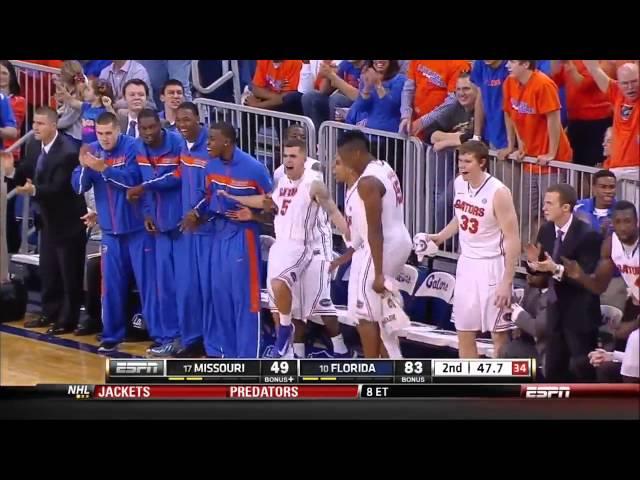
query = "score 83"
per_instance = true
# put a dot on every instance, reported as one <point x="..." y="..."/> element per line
<point x="413" y="367"/>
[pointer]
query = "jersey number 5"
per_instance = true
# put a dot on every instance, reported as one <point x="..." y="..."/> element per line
<point x="469" y="224"/>
<point x="285" y="205"/>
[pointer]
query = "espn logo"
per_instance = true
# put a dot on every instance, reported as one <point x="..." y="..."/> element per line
<point x="544" y="391"/>
<point x="136" y="367"/>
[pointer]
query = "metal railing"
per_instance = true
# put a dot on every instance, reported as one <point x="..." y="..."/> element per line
<point x="230" y="71"/>
<point x="526" y="180"/>
<point x="629" y="187"/>
<point x="404" y="154"/>
<point x="4" y="197"/>
<point x="261" y="132"/>
<point x="36" y="84"/>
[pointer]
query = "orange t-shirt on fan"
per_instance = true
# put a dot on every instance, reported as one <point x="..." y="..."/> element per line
<point x="625" y="143"/>
<point x="279" y="79"/>
<point x="528" y="105"/>
<point x="434" y="80"/>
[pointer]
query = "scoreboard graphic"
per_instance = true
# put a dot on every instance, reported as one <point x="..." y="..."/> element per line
<point x="306" y="372"/>
<point x="218" y="379"/>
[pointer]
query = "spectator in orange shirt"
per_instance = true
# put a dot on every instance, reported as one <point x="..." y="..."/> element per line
<point x="430" y="84"/>
<point x="625" y="146"/>
<point x="531" y="107"/>
<point x="589" y="110"/>
<point x="275" y="86"/>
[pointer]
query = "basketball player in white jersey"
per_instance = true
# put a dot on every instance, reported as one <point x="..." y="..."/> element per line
<point x="619" y="250"/>
<point x="302" y="208"/>
<point x="376" y="208"/>
<point x="487" y="227"/>
<point x="318" y="303"/>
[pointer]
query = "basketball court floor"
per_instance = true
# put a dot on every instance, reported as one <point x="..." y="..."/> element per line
<point x="31" y="357"/>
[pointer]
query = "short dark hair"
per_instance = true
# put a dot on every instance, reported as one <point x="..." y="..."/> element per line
<point x="355" y="139"/>
<point x="623" y="206"/>
<point x="293" y="126"/>
<point x="465" y="74"/>
<point x="478" y="149"/>
<point x="392" y="71"/>
<point x="148" y="113"/>
<point x="532" y="63"/>
<point x="227" y="130"/>
<point x="136" y="81"/>
<point x="172" y="81"/>
<point x="566" y="193"/>
<point x="49" y="112"/>
<point x="192" y="107"/>
<point x="14" y="84"/>
<point x="106" y="118"/>
<point x="294" y="142"/>
<point x="602" y="174"/>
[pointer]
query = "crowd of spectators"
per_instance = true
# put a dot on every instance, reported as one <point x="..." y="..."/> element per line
<point x="580" y="111"/>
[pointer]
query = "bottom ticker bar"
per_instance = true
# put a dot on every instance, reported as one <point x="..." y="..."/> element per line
<point x="206" y="392"/>
<point x="366" y="391"/>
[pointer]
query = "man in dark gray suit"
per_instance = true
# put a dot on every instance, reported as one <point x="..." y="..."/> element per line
<point x="45" y="174"/>
<point x="530" y="316"/>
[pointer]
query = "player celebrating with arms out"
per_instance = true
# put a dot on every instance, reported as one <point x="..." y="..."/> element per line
<point x="296" y="202"/>
<point x="376" y="208"/>
<point x="485" y="219"/>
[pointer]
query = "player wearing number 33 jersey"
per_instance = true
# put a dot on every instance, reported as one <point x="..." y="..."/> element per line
<point x="487" y="228"/>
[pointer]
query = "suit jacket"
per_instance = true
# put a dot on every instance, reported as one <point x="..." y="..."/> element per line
<point x="123" y="117"/>
<point x="60" y="207"/>
<point x="577" y="308"/>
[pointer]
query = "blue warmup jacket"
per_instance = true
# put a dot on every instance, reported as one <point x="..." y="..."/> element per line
<point x="234" y="329"/>
<point x="163" y="205"/>
<point x="127" y="251"/>
<point x="163" y="202"/>
<point x="116" y="214"/>
<point x="192" y="252"/>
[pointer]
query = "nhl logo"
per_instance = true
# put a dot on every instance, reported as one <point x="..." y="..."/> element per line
<point x="484" y="200"/>
<point x="138" y="322"/>
<point x="359" y="304"/>
<point x="294" y="277"/>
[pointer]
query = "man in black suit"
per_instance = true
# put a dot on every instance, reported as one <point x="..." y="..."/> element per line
<point x="45" y="175"/>
<point x="573" y="315"/>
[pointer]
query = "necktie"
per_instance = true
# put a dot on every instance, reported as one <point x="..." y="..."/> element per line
<point x="132" y="129"/>
<point x="557" y="245"/>
<point x="40" y="162"/>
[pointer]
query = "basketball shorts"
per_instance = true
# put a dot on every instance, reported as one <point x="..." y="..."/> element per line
<point x="474" y="297"/>
<point x="364" y="302"/>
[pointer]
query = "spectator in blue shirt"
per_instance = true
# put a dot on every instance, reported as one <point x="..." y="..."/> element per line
<point x="8" y="126"/>
<point x="598" y="212"/>
<point x="379" y="97"/>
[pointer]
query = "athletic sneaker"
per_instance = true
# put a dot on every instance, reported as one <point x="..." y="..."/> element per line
<point x="348" y="354"/>
<point x="166" y="350"/>
<point x="107" y="347"/>
<point x="153" y="345"/>
<point x="283" y="339"/>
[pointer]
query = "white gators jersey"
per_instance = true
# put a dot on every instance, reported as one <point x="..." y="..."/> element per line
<point x="349" y="203"/>
<point x="479" y="233"/>
<point x="296" y="219"/>
<point x="323" y="241"/>
<point x="393" y="226"/>
<point x="628" y="264"/>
